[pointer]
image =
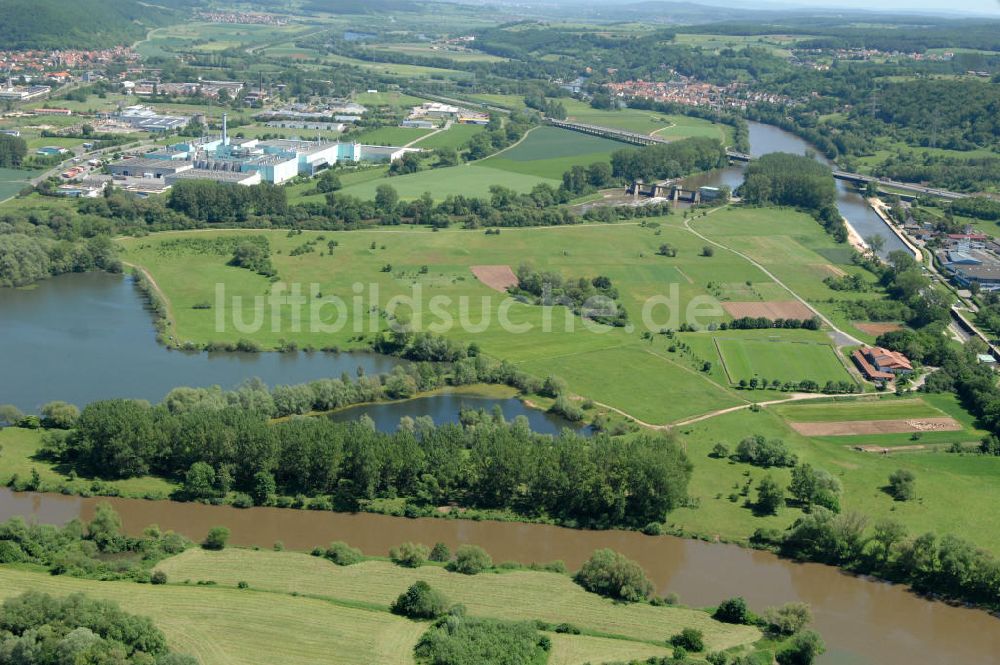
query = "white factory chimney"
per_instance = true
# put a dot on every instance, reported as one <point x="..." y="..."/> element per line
<point x="225" y="134"/>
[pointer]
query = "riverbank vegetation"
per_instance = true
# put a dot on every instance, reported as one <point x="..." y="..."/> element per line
<point x="248" y="605"/>
<point x="98" y="549"/>
<point x="797" y="181"/>
<point x="26" y="258"/>
<point x="597" y="481"/>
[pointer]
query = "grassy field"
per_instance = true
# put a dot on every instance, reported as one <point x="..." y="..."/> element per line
<point x="455" y="137"/>
<point x="548" y="152"/>
<point x="796" y="250"/>
<point x="889" y="408"/>
<point x="646" y="122"/>
<point x="676" y="386"/>
<point x="504" y="101"/>
<point x="515" y="595"/>
<point x="576" y="649"/>
<point x="473" y="179"/>
<point x="13" y="181"/>
<point x="624" y="252"/>
<point x="226" y="626"/>
<point x="394" y="99"/>
<point x="212" y="37"/>
<point x="779" y="45"/>
<point x="773" y="358"/>
<point x="18" y="457"/>
<point x="395" y="136"/>
<point x="939" y="507"/>
<point x="425" y="50"/>
<point x="872" y="409"/>
<point x="394" y="69"/>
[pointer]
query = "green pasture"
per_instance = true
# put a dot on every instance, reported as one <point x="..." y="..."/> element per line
<point x="938" y="508"/>
<point x="761" y="357"/>
<point x="394" y="136"/>
<point x="643" y="121"/>
<point x="394" y="99"/>
<point x="425" y="50"/>
<point x="656" y="290"/>
<point x="398" y="70"/>
<point x="796" y="249"/>
<point x="19" y="456"/>
<point x="306" y="191"/>
<point x="516" y="595"/>
<point x="13" y="181"/>
<point x="625" y="252"/>
<point x="779" y="45"/>
<point x="504" y="101"/>
<point x="471" y="179"/>
<point x="221" y="626"/>
<point x="454" y="137"/>
<point x="548" y="152"/>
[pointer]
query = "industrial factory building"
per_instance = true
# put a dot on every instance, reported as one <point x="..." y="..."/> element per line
<point x="248" y="161"/>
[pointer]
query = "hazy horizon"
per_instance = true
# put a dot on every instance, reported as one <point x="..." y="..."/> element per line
<point x="970" y="7"/>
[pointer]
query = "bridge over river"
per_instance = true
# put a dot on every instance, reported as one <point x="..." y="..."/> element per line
<point x="637" y="138"/>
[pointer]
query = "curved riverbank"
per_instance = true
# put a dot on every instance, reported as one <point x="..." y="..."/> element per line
<point x="863" y="622"/>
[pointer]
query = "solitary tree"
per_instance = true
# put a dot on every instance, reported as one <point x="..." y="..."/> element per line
<point x="216" y="539"/>
<point x="470" y="560"/>
<point x="611" y="574"/>
<point x="733" y="610"/>
<point x="410" y="555"/>
<point x="902" y="485"/>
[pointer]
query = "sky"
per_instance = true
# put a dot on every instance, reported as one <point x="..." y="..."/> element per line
<point x="935" y="6"/>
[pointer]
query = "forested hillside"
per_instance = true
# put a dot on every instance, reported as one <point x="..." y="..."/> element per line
<point x="51" y="24"/>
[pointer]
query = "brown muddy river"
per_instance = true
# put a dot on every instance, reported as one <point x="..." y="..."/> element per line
<point x="863" y="622"/>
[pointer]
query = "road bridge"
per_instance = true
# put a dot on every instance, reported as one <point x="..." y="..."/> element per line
<point x="637" y="138"/>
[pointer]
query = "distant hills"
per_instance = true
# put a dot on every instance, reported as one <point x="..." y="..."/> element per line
<point x="51" y="24"/>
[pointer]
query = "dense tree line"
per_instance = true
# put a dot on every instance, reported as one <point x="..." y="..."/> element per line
<point x="39" y="629"/>
<point x="457" y="639"/>
<point x="214" y="202"/>
<point x="890" y="32"/>
<point x="760" y="322"/>
<point x="490" y="464"/>
<point x="669" y="160"/>
<point x="792" y="180"/>
<point x="98" y="549"/>
<point x="28" y="258"/>
<point x="550" y="108"/>
<point x="946" y="566"/>
<point x="13" y="150"/>
<point x="799" y="181"/>
<point x="979" y="207"/>
<point x="956" y="174"/>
